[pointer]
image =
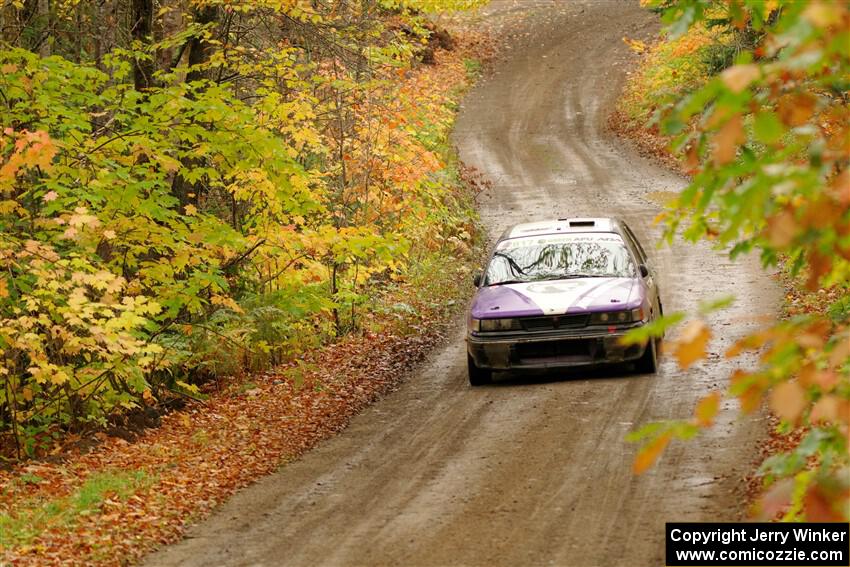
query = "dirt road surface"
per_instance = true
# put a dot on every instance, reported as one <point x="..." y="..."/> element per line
<point x="536" y="471"/>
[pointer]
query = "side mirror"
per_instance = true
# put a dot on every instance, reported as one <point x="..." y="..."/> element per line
<point x="476" y="279"/>
<point x="644" y="271"/>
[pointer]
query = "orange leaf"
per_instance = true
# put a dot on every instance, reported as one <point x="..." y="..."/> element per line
<point x="795" y="110"/>
<point x="776" y="500"/>
<point x="810" y="341"/>
<point x="707" y="409"/>
<point x="819" y="266"/>
<point x="749" y="342"/>
<point x="739" y="77"/>
<point x="727" y="139"/>
<point x="781" y="229"/>
<point x="788" y="400"/>
<point x="826" y="410"/>
<point x="692" y="343"/>
<point x="649" y="453"/>
<point x="826" y="380"/>
<point x="840" y="353"/>
<point x="819" y="506"/>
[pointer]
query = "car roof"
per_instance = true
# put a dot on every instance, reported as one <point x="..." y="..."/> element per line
<point x="563" y="226"/>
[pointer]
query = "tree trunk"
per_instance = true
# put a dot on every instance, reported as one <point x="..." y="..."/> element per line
<point x="199" y="53"/>
<point x="105" y="20"/>
<point x="142" y="27"/>
<point x="200" y="50"/>
<point x="45" y="39"/>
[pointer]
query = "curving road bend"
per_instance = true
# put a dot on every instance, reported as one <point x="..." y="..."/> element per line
<point x="526" y="472"/>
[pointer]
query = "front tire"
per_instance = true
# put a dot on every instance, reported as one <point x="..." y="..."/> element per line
<point x="648" y="363"/>
<point x="478" y="376"/>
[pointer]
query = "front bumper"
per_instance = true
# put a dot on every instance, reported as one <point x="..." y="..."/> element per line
<point x="525" y="351"/>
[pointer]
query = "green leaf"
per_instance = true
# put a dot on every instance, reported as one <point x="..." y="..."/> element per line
<point x="767" y="127"/>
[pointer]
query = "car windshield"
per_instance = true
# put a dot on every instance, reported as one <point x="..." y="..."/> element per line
<point x="559" y="257"/>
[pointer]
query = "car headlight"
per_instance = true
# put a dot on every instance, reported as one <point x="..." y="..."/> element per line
<point x="617" y="317"/>
<point x="492" y="325"/>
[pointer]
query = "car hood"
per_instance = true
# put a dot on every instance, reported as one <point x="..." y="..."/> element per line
<point x="558" y="297"/>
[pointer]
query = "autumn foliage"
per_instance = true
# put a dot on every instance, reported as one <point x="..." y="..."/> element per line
<point x="212" y="187"/>
<point x="765" y="138"/>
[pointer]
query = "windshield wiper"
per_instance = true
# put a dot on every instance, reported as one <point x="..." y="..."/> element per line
<point x="505" y="282"/>
<point x="516" y="267"/>
<point x="570" y="276"/>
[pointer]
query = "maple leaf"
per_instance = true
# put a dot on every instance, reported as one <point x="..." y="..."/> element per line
<point x="692" y="343"/>
<point x="727" y="140"/>
<point x="788" y="400"/>
<point x="827" y="409"/>
<point x="707" y="409"/>
<point x="819" y="504"/>
<point x="650" y="452"/>
<point x="781" y="229"/>
<point x="739" y="77"/>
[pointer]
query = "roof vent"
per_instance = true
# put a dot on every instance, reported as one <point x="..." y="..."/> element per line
<point x="582" y="223"/>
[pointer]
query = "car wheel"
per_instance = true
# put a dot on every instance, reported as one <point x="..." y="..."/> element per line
<point x="478" y="376"/>
<point x="648" y="363"/>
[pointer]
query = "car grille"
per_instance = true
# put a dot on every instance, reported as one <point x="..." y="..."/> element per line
<point x="555" y="322"/>
<point x="578" y="349"/>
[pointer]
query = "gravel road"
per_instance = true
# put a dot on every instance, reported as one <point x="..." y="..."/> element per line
<point x="535" y="471"/>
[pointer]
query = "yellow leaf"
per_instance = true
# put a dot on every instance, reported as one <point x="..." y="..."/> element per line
<point x="788" y="400"/>
<point x="226" y="301"/>
<point x="59" y="377"/>
<point x="4" y="288"/>
<point x="822" y="14"/>
<point x="707" y="409"/>
<point x="191" y="210"/>
<point x="692" y="343"/>
<point x="649" y="453"/>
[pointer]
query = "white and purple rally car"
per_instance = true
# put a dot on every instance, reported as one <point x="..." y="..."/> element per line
<point x="562" y="293"/>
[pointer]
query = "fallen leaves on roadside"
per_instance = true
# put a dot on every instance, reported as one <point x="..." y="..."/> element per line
<point x="146" y="492"/>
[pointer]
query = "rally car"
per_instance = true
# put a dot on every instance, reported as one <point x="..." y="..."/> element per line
<point x="559" y="294"/>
